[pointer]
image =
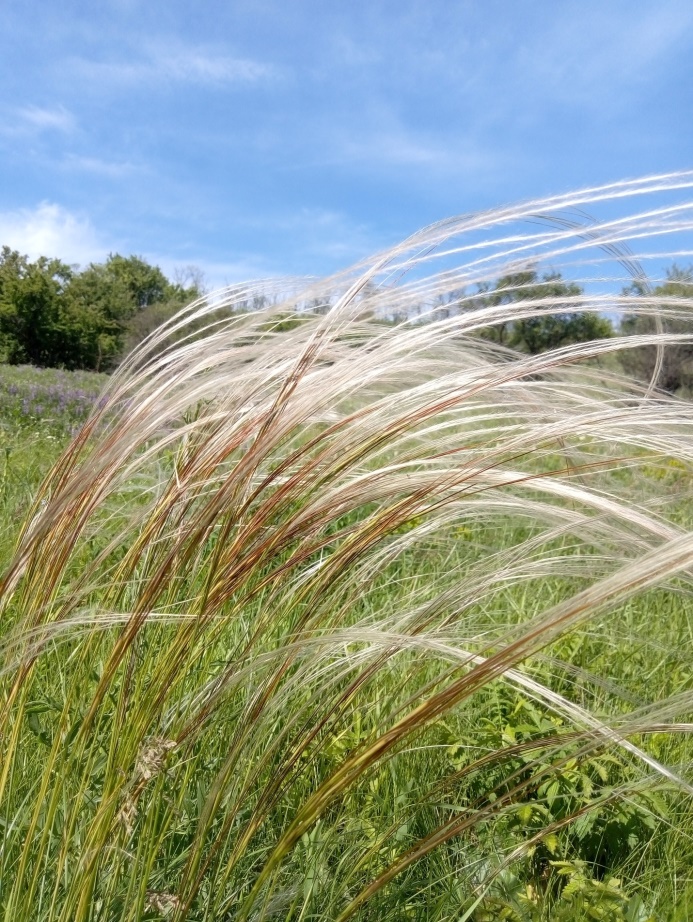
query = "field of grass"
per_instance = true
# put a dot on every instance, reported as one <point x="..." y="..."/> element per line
<point x="40" y="410"/>
<point x="342" y="619"/>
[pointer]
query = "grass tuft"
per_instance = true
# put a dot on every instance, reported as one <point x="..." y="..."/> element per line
<point x="341" y="611"/>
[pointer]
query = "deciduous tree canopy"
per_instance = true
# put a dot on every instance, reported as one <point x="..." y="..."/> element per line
<point x="563" y="324"/>
<point x="676" y="372"/>
<point x="52" y="314"/>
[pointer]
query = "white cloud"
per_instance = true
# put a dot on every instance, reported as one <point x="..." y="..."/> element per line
<point x="204" y="68"/>
<point x="423" y="155"/>
<point x="111" y="169"/>
<point x="404" y="149"/>
<point x="34" y="119"/>
<point x="53" y="231"/>
<point x="177" y="63"/>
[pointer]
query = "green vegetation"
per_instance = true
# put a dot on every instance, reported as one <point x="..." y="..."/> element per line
<point x="53" y="315"/>
<point x="47" y="399"/>
<point x="343" y="619"/>
<point x="40" y="410"/>
<point x="671" y="298"/>
<point x="539" y="332"/>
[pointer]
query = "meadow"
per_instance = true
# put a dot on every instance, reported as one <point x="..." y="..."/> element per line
<point x="41" y="409"/>
<point x="351" y="618"/>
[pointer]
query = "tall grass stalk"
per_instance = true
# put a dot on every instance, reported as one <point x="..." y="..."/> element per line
<point x="269" y="620"/>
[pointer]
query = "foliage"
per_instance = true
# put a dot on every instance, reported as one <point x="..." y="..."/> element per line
<point x="34" y="326"/>
<point x="539" y="332"/>
<point x="582" y="897"/>
<point x="52" y="315"/>
<point x="676" y="372"/>
<point x="568" y="868"/>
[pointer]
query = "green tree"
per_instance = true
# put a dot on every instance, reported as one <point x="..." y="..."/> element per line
<point x="141" y="283"/>
<point x="33" y="326"/>
<point x="156" y="302"/>
<point x="54" y="315"/>
<point x="542" y="332"/>
<point x="676" y="374"/>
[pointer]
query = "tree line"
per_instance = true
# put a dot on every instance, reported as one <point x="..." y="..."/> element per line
<point x="676" y="372"/>
<point x="56" y="315"/>
<point x="570" y="325"/>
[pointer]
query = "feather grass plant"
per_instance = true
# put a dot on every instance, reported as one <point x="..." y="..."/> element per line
<point x="275" y="612"/>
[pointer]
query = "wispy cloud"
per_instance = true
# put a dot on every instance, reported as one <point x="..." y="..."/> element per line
<point x="53" y="231"/>
<point x="423" y="155"/>
<point x="177" y="63"/>
<point x="592" y="58"/>
<point x="35" y="119"/>
<point x="111" y="169"/>
<point x="402" y="148"/>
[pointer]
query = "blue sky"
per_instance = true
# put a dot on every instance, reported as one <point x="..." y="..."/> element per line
<point x="295" y="137"/>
